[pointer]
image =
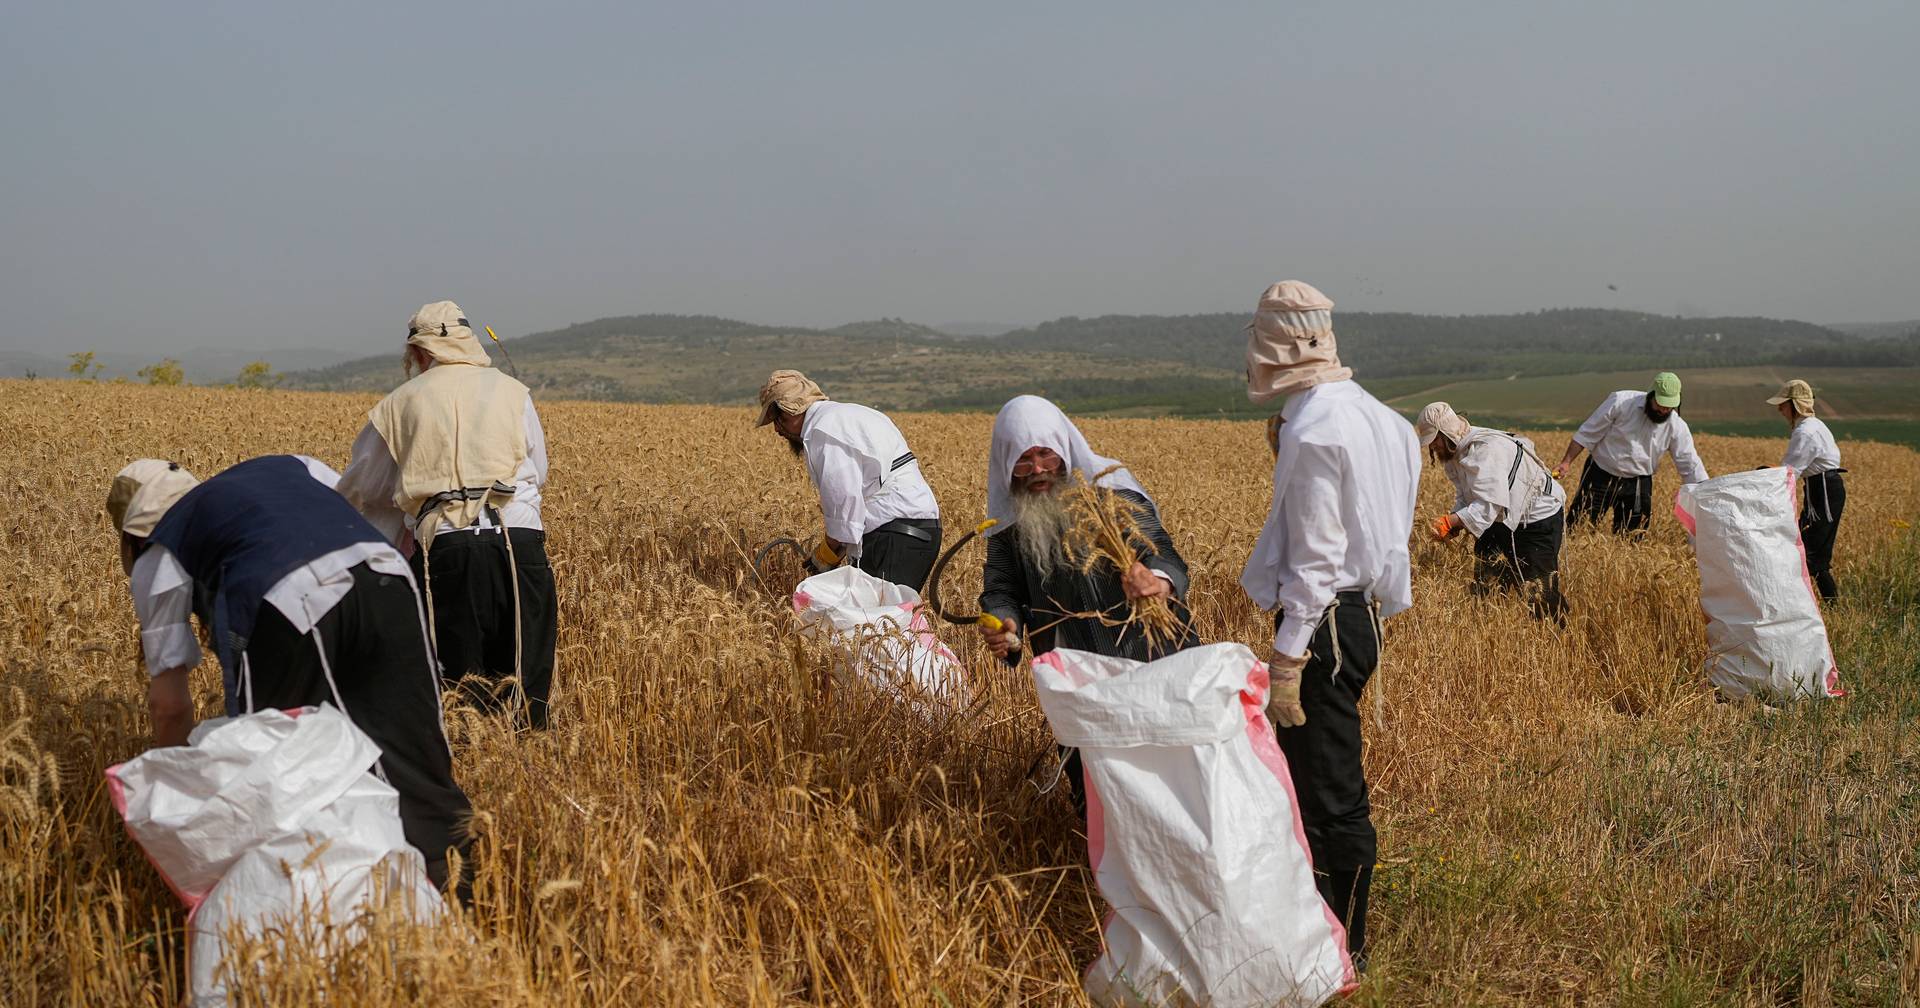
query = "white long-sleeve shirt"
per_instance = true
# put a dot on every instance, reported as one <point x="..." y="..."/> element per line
<point x="1496" y="474"/>
<point x="1625" y="441"/>
<point x="863" y="470"/>
<point x="1810" y="448"/>
<point x="1344" y="482"/>
<point x="373" y="476"/>
<point x="163" y="592"/>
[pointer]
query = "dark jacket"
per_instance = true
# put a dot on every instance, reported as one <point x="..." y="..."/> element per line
<point x="1013" y="590"/>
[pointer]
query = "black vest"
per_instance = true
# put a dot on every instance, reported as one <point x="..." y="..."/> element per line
<point x="240" y="532"/>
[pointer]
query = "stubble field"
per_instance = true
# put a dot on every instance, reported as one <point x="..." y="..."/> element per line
<point x="1567" y="817"/>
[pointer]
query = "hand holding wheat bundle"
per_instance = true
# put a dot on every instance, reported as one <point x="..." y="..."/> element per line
<point x="1105" y="533"/>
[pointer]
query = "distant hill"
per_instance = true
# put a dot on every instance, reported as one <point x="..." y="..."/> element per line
<point x="1878" y="330"/>
<point x="888" y="363"/>
<point x="1187" y="364"/>
<point x="1393" y="344"/>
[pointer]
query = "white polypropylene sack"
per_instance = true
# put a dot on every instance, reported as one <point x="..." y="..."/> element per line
<point x="262" y="819"/>
<point x="882" y="631"/>
<point x="1193" y="832"/>
<point x="1765" y="637"/>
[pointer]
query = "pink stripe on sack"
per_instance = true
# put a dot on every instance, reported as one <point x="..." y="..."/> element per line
<point x="1267" y="748"/>
<point x="801" y="601"/>
<point x="1096" y="851"/>
<point x="117" y="791"/>
<point x="1685" y="516"/>
<point x="1830" y="684"/>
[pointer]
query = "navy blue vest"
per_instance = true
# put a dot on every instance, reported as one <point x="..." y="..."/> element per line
<point x="240" y="532"/>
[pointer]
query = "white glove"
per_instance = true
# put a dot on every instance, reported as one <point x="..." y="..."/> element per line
<point x="1283" y="690"/>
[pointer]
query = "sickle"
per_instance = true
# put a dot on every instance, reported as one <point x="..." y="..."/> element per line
<point x="988" y="620"/>
<point x="760" y="558"/>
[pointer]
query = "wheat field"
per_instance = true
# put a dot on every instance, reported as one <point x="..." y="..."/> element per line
<point x="1566" y="817"/>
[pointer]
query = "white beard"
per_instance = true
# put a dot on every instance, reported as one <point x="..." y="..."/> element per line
<point x="1043" y="522"/>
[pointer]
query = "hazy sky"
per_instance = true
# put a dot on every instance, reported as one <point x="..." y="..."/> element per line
<point x="257" y="175"/>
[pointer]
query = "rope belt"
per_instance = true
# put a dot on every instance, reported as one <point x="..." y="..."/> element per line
<point x="1356" y="596"/>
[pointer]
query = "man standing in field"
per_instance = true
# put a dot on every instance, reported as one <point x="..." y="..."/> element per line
<point x="878" y="510"/>
<point x="305" y="602"/>
<point x="1507" y="500"/>
<point x="1812" y="452"/>
<point x="1031" y="584"/>
<point x="1331" y="563"/>
<point x="453" y="461"/>
<point x="1627" y="435"/>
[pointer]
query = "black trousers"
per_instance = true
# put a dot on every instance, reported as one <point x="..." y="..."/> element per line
<point x="471" y="583"/>
<point x="902" y="551"/>
<point x="1323" y="756"/>
<point x="1630" y="498"/>
<point x="1823" y="499"/>
<point x="1527" y="558"/>
<point x="368" y="656"/>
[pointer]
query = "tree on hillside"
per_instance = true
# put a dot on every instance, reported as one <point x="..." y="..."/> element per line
<point x="83" y="366"/>
<point x="258" y="375"/>
<point x="167" y="372"/>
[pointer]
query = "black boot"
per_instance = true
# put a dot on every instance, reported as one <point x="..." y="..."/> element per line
<point x="1346" y="895"/>
<point x="1829" y="590"/>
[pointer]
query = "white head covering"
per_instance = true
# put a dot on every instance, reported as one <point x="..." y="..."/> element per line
<point x="441" y="330"/>
<point x="143" y="491"/>
<point x="1290" y="346"/>
<point x="1029" y="421"/>
<point x="1439" y="418"/>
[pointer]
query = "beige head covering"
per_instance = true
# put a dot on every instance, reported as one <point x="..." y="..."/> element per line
<point x="1797" y="392"/>
<point x="790" y="392"/>
<point x="142" y="492"/>
<point x="441" y="330"/>
<point x="1439" y="418"/>
<point x="1290" y="342"/>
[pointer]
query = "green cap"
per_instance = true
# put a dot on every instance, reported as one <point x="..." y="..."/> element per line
<point x="1666" y="389"/>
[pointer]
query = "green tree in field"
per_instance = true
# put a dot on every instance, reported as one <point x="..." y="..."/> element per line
<point x="258" y="375"/>
<point x="167" y="372"/>
<point x="82" y="366"/>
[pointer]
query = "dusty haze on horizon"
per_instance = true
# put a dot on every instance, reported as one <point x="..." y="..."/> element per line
<point x="233" y="176"/>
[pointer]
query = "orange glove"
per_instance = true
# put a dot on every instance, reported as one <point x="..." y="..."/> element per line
<point x="1445" y="526"/>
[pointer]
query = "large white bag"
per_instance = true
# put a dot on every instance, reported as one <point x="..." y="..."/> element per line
<point x="881" y="630"/>
<point x="269" y="818"/>
<point x="1193" y="832"/>
<point x="1765" y="637"/>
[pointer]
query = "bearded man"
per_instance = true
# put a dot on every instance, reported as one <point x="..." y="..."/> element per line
<point x="1626" y="435"/>
<point x="1029" y="582"/>
<point x="879" y="512"/>
<point x="1032" y="584"/>
<point x="453" y="461"/>
<point x="1506" y="499"/>
<point x="1331" y="563"/>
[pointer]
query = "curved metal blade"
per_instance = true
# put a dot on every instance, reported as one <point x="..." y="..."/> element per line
<point x="940" y="566"/>
<point x="760" y="557"/>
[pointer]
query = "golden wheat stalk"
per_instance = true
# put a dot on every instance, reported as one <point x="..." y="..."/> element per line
<point x="1104" y="536"/>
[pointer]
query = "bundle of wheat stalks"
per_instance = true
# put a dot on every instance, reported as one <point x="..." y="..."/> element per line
<point x="1105" y="533"/>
